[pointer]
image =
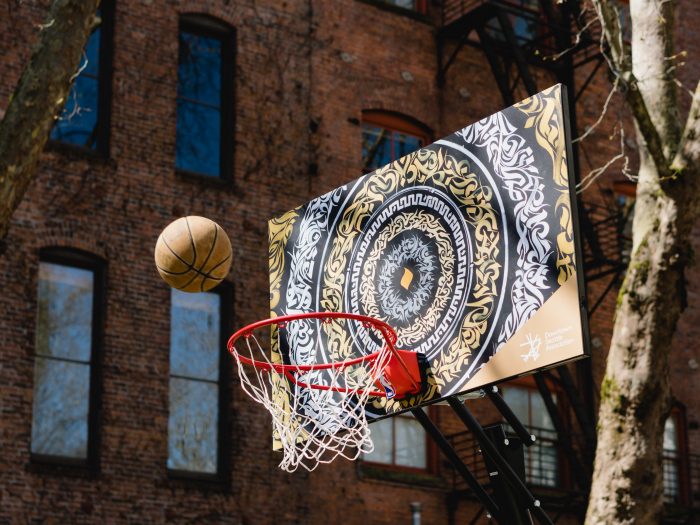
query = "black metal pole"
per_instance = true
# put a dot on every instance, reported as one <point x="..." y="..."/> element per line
<point x="527" y="438"/>
<point x="457" y="463"/>
<point x="505" y="469"/>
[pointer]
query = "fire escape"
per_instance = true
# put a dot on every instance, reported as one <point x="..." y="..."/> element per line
<point x="523" y="41"/>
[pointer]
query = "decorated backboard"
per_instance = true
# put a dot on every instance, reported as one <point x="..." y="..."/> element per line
<point x="466" y="247"/>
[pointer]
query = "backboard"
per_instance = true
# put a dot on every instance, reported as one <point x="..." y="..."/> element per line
<point x="466" y="247"/>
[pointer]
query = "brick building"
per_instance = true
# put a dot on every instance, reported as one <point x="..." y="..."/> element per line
<point x="297" y="87"/>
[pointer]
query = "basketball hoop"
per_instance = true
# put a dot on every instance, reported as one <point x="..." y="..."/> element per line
<point x="318" y="408"/>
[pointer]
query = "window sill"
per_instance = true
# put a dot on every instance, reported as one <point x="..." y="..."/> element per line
<point x="218" y="182"/>
<point x="62" y="466"/>
<point x="415" y="15"/>
<point x="401" y="475"/>
<point x="75" y="152"/>
<point x="199" y="480"/>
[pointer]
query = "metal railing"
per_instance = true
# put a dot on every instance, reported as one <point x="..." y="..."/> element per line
<point x="532" y="28"/>
<point x="544" y="461"/>
<point x="547" y="467"/>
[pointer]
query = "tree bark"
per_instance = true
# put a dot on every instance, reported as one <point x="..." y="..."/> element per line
<point x="39" y="98"/>
<point x="627" y="485"/>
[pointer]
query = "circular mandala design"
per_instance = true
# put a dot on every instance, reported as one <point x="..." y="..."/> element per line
<point x="407" y="278"/>
<point x="412" y="266"/>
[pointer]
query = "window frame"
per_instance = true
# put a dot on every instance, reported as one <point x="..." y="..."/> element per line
<point x="210" y="27"/>
<point x="222" y="476"/>
<point x="564" y="473"/>
<point x="431" y="455"/>
<point x="104" y="91"/>
<point x="678" y="413"/>
<point x="76" y="258"/>
<point x="420" y="13"/>
<point x="396" y="123"/>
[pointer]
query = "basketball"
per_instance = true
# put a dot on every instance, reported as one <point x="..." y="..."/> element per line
<point x="193" y="254"/>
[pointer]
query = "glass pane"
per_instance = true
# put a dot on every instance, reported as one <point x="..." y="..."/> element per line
<point x="194" y="335"/>
<point x="410" y="443"/>
<point x="381" y="433"/>
<point x="541" y="464"/>
<point x="60" y="412"/>
<point x="671" y="482"/>
<point x="78" y="121"/>
<point x="406" y="4"/>
<point x="199" y="69"/>
<point x="670" y="435"/>
<point x="198" y="138"/>
<point x="539" y="416"/>
<point x="193" y="426"/>
<point x="405" y="144"/>
<point x="64" y="318"/>
<point x="92" y="54"/>
<point x="518" y="400"/>
<point x="376" y="147"/>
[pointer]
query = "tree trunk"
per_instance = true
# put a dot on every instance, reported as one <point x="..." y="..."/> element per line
<point x="627" y="485"/>
<point x="39" y="98"/>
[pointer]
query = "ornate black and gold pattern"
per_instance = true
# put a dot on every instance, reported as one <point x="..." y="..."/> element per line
<point x="456" y="246"/>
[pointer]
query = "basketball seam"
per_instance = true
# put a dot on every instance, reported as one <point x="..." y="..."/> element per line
<point x="194" y="248"/>
<point x="183" y="261"/>
<point x="208" y="276"/>
<point x="198" y="271"/>
<point x="190" y="267"/>
<point x="211" y="250"/>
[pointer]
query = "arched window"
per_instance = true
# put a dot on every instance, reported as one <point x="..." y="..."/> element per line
<point x="204" y="142"/>
<point x="389" y="136"/>
<point x="84" y="122"/>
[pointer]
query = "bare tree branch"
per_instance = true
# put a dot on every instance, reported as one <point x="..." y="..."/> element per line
<point x="689" y="149"/>
<point x="619" y="56"/>
<point x="39" y="98"/>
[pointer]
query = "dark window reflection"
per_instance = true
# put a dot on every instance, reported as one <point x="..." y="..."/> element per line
<point x="194" y="375"/>
<point x="198" y="141"/>
<point x="62" y="366"/>
<point x="77" y="123"/>
<point x="380" y="146"/>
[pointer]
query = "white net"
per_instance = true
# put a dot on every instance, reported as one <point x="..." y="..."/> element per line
<point x="317" y="410"/>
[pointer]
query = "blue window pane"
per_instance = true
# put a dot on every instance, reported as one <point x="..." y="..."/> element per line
<point x="199" y="69"/>
<point x="78" y="121"/>
<point x="60" y="413"/>
<point x="92" y="55"/>
<point x="194" y="335"/>
<point x="405" y="144"/>
<point x="64" y="318"/>
<point x="198" y="138"/>
<point x="193" y="426"/>
<point x="376" y="147"/>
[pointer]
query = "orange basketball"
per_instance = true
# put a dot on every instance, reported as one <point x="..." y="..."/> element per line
<point x="193" y="254"/>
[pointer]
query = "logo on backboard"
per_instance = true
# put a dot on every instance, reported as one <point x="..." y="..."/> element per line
<point x="533" y="344"/>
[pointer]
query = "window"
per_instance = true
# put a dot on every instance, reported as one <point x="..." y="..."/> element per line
<point x="412" y="5"/>
<point x="400" y="441"/>
<point x="674" y="463"/>
<point x="195" y="426"/>
<point x="84" y="121"/>
<point x="68" y="330"/>
<point x="387" y="137"/>
<point x="204" y="138"/>
<point x="541" y="459"/>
